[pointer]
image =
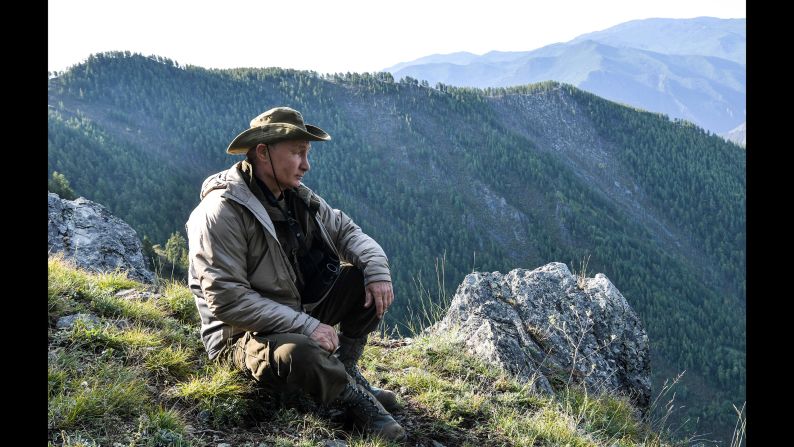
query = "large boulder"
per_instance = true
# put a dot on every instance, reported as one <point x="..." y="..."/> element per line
<point x="551" y="328"/>
<point x="86" y="233"/>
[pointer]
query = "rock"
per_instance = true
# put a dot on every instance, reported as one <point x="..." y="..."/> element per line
<point x="145" y="296"/>
<point x="68" y="321"/>
<point x="204" y="416"/>
<point x="542" y="328"/>
<point x="139" y="295"/>
<point x="122" y="323"/>
<point x="334" y="443"/>
<point x="86" y="233"/>
<point x="168" y="437"/>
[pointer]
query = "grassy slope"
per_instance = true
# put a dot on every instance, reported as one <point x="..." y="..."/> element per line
<point x="139" y="376"/>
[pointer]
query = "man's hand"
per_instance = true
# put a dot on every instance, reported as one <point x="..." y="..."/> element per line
<point x="326" y="337"/>
<point x="381" y="293"/>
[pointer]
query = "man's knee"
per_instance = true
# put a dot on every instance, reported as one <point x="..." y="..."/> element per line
<point x="300" y="361"/>
<point x="295" y="349"/>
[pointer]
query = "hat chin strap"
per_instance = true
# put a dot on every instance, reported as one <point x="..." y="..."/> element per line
<point x="272" y="168"/>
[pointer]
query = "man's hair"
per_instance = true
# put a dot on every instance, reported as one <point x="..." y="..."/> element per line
<point x="251" y="154"/>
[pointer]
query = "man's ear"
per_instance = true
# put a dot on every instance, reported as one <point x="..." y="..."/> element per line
<point x="261" y="152"/>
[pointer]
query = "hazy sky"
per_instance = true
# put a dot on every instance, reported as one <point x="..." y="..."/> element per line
<point x="338" y="36"/>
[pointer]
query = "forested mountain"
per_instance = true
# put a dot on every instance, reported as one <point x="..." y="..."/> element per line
<point x="694" y="69"/>
<point x="487" y="180"/>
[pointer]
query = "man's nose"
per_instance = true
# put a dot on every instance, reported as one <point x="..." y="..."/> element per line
<point x="305" y="163"/>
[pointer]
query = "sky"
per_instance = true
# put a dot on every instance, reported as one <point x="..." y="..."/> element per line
<point x="337" y="36"/>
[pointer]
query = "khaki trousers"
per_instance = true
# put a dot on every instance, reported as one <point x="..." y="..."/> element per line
<point x="288" y="363"/>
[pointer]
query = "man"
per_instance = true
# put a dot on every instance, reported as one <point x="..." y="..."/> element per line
<point x="265" y="270"/>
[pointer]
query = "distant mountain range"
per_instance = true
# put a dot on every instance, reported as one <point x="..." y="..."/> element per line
<point x="693" y="69"/>
<point x="738" y="135"/>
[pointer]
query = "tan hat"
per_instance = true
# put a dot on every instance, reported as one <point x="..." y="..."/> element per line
<point x="278" y="123"/>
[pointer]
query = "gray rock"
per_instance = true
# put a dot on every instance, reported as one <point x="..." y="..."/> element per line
<point x="68" y="321"/>
<point x="137" y="295"/>
<point x="94" y="239"/>
<point x="204" y="416"/>
<point x="334" y="443"/>
<point x="543" y="328"/>
<point x="122" y="323"/>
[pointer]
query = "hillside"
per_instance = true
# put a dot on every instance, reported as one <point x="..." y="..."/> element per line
<point x="132" y="371"/>
<point x="472" y="179"/>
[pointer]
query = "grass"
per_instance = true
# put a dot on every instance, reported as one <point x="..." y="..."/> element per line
<point x="102" y="377"/>
<point x="85" y="336"/>
<point x="220" y="392"/>
<point x="179" y="301"/>
<point x="172" y="362"/>
<point x="608" y="416"/>
<point x="65" y="287"/>
<point x="581" y="275"/>
<point x="140" y="377"/>
<point x="466" y="401"/>
<point x="94" y="396"/>
<point x="162" y="427"/>
<point x="738" y="440"/>
<point x="147" y="312"/>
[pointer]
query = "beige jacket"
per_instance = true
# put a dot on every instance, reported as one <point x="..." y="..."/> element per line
<point x="239" y="274"/>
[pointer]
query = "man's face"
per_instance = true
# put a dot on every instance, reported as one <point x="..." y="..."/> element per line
<point x="290" y="161"/>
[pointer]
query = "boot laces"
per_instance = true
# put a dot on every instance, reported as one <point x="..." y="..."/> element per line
<point x="360" y="379"/>
<point x="367" y="404"/>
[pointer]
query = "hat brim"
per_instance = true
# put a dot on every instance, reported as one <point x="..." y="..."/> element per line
<point x="271" y="133"/>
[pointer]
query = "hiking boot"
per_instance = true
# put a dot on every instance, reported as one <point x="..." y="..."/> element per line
<point x="350" y="350"/>
<point x="369" y="413"/>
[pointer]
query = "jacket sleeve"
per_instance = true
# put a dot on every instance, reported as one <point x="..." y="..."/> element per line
<point x="217" y="248"/>
<point x="354" y="245"/>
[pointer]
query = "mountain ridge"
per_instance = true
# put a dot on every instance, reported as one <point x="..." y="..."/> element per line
<point x="696" y="36"/>
<point x="672" y="66"/>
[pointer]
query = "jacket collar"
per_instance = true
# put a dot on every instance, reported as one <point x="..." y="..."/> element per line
<point x="236" y="188"/>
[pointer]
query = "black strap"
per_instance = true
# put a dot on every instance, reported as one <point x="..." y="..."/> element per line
<point x="296" y="235"/>
<point x="292" y="223"/>
<point x="317" y="266"/>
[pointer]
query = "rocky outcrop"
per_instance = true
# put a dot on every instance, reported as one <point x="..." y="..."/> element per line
<point x="86" y="233"/>
<point x="550" y="328"/>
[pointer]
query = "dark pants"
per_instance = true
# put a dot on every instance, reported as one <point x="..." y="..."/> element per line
<point x="285" y="363"/>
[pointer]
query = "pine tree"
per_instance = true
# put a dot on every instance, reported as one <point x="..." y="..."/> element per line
<point x="58" y="184"/>
<point x="149" y="255"/>
<point x="176" y="250"/>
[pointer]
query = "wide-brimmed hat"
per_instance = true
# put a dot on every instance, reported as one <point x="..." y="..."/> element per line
<point x="277" y="124"/>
